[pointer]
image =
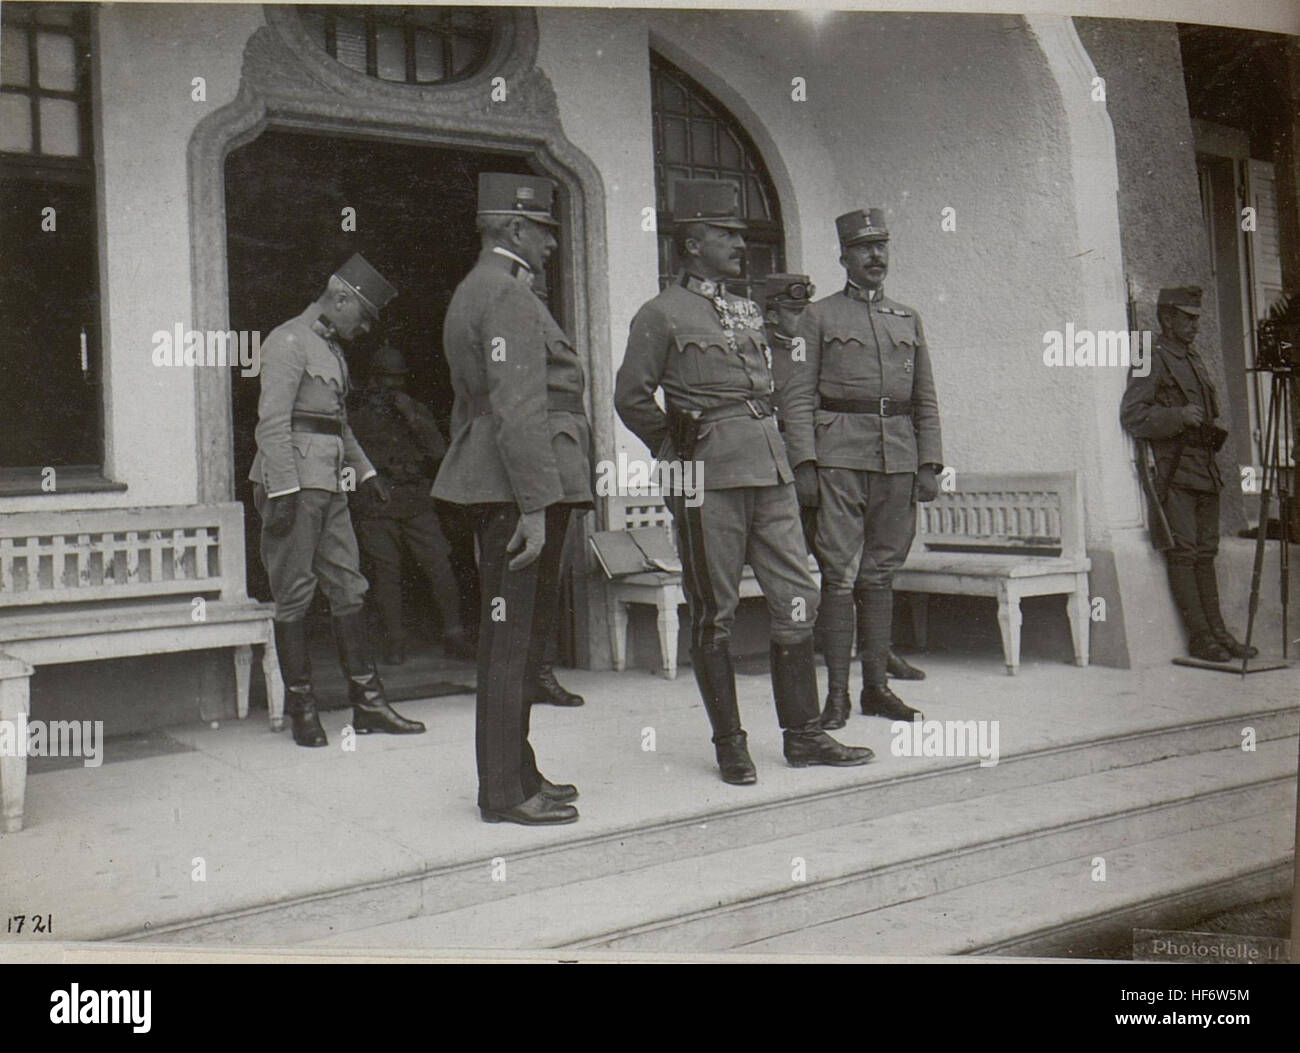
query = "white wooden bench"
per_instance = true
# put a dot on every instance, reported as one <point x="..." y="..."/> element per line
<point x="78" y="586"/>
<point x="1007" y="536"/>
<point x="999" y="535"/>
<point x="659" y="589"/>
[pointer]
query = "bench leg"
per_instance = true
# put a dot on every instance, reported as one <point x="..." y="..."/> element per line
<point x="15" y="706"/>
<point x="618" y="632"/>
<point x="919" y="602"/>
<point x="274" y="684"/>
<point x="667" y="621"/>
<point x="1080" y="611"/>
<point x="243" y="675"/>
<point x="1009" y="623"/>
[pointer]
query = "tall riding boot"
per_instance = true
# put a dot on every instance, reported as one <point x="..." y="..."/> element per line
<point x="386" y="595"/>
<point x="875" y="627"/>
<point x="794" y="686"/>
<point x="370" y="709"/>
<point x="716" y="678"/>
<point x="1201" y="641"/>
<point x="295" y="667"/>
<point x="1207" y="586"/>
<point x="835" y="619"/>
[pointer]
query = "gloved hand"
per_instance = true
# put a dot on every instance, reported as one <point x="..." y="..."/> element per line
<point x="1193" y="415"/>
<point x="280" y="512"/>
<point x="805" y="484"/>
<point x="530" y="535"/>
<point x="926" y="485"/>
<point x="376" y="489"/>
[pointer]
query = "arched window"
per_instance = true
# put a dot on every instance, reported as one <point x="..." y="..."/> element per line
<point x="695" y="137"/>
<point x="411" y="45"/>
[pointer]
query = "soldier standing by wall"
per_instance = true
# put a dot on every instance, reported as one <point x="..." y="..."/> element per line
<point x="1174" y="408"/>
<point x="705" y="348"/>
<point x="520" y="461"/>
<point x="303" y="446"/>
<point x="862" y="425"/>
<point x="404" y="444"/>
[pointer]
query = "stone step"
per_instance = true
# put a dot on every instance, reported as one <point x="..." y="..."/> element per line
<point x="730" y="895"/>
<point x="887" y="788"/>
<point x="1060" y="911"/>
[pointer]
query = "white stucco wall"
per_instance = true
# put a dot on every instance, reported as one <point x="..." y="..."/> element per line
<point x="146" y="58"/>
<point x="914" y="113"/>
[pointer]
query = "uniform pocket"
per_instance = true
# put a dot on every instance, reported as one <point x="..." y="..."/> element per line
<point x="706" y="360"/>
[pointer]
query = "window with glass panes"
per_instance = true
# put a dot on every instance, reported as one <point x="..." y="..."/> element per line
<point x="695" y="137"/>
<point x="50" y="399"/>
<point x="411" y="45"/>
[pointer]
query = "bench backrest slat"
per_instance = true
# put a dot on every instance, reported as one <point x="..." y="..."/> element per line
<point x="1029" y="511"/>
<point x="128" y="553"/>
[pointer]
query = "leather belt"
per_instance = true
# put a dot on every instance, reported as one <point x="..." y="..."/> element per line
<point x="316" y="425"/>
<point x="758" y="408"/>
<point x="881" y="407"/>
<point x="556" y="402"/>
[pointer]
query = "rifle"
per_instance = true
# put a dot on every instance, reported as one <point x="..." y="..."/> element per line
<point x="1162" y="537"/>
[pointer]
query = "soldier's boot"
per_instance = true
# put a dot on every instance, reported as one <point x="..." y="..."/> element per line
<point x="544" y="688"/>
<point x="370" y="709"/>
<point x="901" y="669"/>
<point x="1201" y="641"/>
<point x="1207" y="586"/>
<point x="794" y="686"/>
<point x="716" y="678"/>
<point x="875" y="626"/>
<point x="835" y="619"/>
<point x="295" y="668"/>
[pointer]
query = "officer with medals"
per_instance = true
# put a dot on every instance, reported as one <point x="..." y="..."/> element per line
<point x="406" y="447"/>
<point x="304" y="445"/>
<point x="704" y="347"/>
<point x="784" y="298"/>
<point x="520" y="461"/>
<point x="862" y="426"/>
<point x="1174" y="409"/>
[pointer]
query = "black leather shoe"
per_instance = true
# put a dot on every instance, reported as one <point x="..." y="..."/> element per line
<point x="734" y="761"/>
<point x="901" y="669"/>
<point x="538" y="810"/>
<point x="546" y="690"/>
<point x="1206" y="647"/>
<point x="1235" y="647"/>
<point x="881" y="702"/>
<point x="806" y="747"/>
<point x="558" y="791"/>
<point x="837" y="711"/>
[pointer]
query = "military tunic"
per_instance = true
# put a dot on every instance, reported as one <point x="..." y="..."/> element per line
<point x="305" y="375"/>
<point x="862" y="350"/>
<point x="705" y="348"/>
<point x="520" y="443"/>
<point x="1185" y="467"/>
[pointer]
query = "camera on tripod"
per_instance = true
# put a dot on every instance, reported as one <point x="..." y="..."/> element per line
<point x="1278" y="344"/>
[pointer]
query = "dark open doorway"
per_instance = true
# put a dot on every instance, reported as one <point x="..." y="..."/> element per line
<point x="414" y="220"/>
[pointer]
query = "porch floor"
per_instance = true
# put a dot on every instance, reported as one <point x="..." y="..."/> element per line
<point x="113" y="852"/>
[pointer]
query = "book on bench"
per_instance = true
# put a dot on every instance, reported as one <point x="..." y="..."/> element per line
<point x="638" y="551"/>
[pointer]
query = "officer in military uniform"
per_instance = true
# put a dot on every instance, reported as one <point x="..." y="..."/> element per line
<point x="1174" y="408"/>
<point x="784" y="298"/>
<point x="520" y="461"/>
<point x="862" y="425"/>
<point x="406" y="447"/>
<point x="704" y="347"/>
<point x="304" y="446"/>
